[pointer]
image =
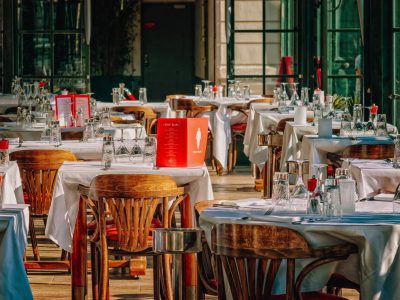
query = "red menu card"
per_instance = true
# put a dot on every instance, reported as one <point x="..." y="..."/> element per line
<point x="181" y="142"/>
<point x="67" y="105"/>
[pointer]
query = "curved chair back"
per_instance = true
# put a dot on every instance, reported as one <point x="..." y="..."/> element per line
<point x="369" y="151"/>
<point x="145" y="114"/>
<point x="38" y="172"/>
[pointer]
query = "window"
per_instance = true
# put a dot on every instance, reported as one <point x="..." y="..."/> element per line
<point x="1" y="48"/>
<point x="262" y="42"/>
<point x="396" y="59"/>
<point x="51" y="43"/>
<point x="342" y="49"/>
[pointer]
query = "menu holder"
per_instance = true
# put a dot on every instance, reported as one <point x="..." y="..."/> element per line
<point x="82" y="102"/>
<point x="64" y="111"/>
<point x="181" y="142"/>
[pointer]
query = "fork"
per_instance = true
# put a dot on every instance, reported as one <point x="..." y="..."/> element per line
<point x="267" y="213"/>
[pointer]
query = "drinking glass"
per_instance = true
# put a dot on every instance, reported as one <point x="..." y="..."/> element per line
<point x="284" y="95"/>
<point x="345" y="125"/>
<point x="231" y="89"/>
<point x="304" y="96"/>
<point x="122" y="149"/>
<point x="149" y="150"/>
<point x="295" y="99"/>
<point x="143" y="95"/>
<point x="317" y="112"/>
<point x="342" y="173"/>
<point x="381" y="125"/>
<point x="246" y="92"/>
<point x="238" y="91"/>
<point x="106" y="117"/>
<point x="197" y="91"/>
<point x="332" y="201"/>
<point x="206" y="92"/>
<point x="136" y="149"/>
<point x="357" y="119"/>
<point x="300" y="190"/>
<point x="280" y="189"/>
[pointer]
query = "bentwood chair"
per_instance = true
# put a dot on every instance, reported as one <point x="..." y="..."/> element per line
<point x="362" y="151"/>
<point x="144" y="114"/>
<point x="238" y="130"/>
<point x="250" y="256"/>
<point x="131" y="200"/>
<point x="38" y="170"/>
<point x="71" y="135"/>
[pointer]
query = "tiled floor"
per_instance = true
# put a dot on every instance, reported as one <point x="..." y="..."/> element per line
<point x="56" y="285"/>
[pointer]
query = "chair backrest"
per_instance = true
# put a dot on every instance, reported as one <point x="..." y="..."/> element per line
<point x="262" y="100"/>
<point x="250" y="255"/>
<point x="191" y="108"/>
<point x="142" y="113"/>
<point x="177" y="96"/>
<point x="38" y="172"/>
<point x="72" y="135"/>
<point x="369" y="151"/>
<point x="131" y="199"/>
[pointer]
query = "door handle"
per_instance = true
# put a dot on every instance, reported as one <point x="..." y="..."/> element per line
<point x="146" y="59"/>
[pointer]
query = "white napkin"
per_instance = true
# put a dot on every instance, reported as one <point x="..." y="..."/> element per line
<point x="276" y="219"/>
<point x="384" y="197"/>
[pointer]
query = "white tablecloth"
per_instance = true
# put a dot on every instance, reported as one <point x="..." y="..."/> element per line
<point x="376" y="265"/>
<point x="11" y="189"/>
<point x="373" y="177"/>
<point x="64" y="207"/>
<point x="14" y="221"/>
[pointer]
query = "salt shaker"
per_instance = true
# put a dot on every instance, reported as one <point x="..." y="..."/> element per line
<point x="4" y="153"/>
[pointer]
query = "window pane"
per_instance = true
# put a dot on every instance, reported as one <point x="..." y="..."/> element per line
<point x="280" y="48"/>
<point x="396" y="13"/>
<point x="255" y="84"/>
<point x="397" y="62"/>
<point x="248" y="14"/>
<point x="1" y="53"/>
<point x="344" y="53"/>
<point x="36" y="55"/>
<point x="71" y="84"/>
<point x="66" y="14"/>
<point x="1" y="15"/>
<point x="68" y="55"/>
<point x="248" y="54"/>
<point x="348" y="87"/>
<point x="36" y="14"/>
<point x="343" y="14"/>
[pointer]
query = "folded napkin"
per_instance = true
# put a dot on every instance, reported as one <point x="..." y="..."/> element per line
<point x="384" y="197"/>
<point x="275" y="219"/>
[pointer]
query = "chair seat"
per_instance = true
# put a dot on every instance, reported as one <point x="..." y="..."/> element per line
<point x="112" y="234"/>
<point x="311" y="296"/>
<point x="240" y="127"/>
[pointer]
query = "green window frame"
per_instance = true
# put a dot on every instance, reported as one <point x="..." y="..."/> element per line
<point x="396" y="64"/>
<point x="1" y="46"/>
<point x="342" y="50"/>
<point x="51" y="43"/>
<point x="287" y="32"/>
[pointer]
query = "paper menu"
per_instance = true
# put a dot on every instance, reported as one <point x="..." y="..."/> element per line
<point x="64" y="109"/>
<point x="82" y="102"/>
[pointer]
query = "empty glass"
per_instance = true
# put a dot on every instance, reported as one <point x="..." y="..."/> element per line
<point x="149" y="150"/>
<point x="55" y="133"/>
<point x="300" y="190"/>
<point x="295" y="99"/>
<point x="284" y="96"/>
<point x="280" y="189"/>
<point x="143" y="95"/>
<point x="358" y="119"/>
<point x="197" y="91"/>
<point x="136" y="149"/>
<point x="345" y="125"/>
<point x="304" y="96"/>
<point x="381" y="125"/>
<point x="231" y="89"/>
<point x="332" y="201"/>
<point x="246" y="92"/>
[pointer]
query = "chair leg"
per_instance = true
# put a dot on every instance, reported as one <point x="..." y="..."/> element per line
<point x="230" y="157"/>
<point x="234" y="152"/>
<point x="94" y="257"/>
<point x="103" y="281"/>
<point x="32" y="233"/>
<point x="156" y="277"/>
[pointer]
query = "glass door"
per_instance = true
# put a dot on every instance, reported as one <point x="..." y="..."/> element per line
<point x="51" y="43"/>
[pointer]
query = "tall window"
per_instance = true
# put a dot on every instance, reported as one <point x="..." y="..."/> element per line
<point x="396" y="59"/>
<point x="1" y="47"/>
<point x="342" y="48"/>
<point x="51" y="43"/>
<point x="262" y="42"/>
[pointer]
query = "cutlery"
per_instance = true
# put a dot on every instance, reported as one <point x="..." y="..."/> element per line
<point x="267" y="213"/>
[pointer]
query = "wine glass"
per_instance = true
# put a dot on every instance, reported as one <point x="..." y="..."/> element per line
<point x="300" y="190"/>
<point x="284" y="95"/>
<point x="206" y="91"/>
<point x="122" y="149"/>
<point x="136" y="149"/>
<point x="304" y="96"/>
<point x="231" y="89"/>
<point x="294" y="100"/>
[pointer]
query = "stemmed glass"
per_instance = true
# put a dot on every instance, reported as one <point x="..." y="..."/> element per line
<point x="319" y="167"/>
<point x="304" y="96"/>
<point x="27" y="92"/>
<point x="136" y="149"/>
<point x="284" y="95"/>
<point x="238" y="92"/>
<point x="300" y="190"/>
<point x="122" y="149"/>
<point x="231" y="89"/>
<point x="206" y="91"/>
<point x="294" y="100"/>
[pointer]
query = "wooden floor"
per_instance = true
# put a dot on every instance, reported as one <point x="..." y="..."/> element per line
<point x="56" y="285"/>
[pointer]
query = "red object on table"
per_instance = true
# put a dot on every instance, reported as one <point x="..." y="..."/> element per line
<point x="131" y="97"/>
<point x="181" y="142"/>
<point x="374" y="109"/>
<point x="4" y="144"/>
<point x="312" y="184"/>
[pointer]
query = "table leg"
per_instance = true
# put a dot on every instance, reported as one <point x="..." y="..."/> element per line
<point x="189" y="260"/>
<point x="79" y="255"/>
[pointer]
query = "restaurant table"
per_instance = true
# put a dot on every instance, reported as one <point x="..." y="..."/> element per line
<point x="293" y="136"/>
<point x="374" y="176"/>
<point x="11" y="187"/>
<point x="66" y="224"/>
<point x="14" y="226"/>
<point x="265" y="119"/>
<point x="315" y="149"/>
<point x="373" y="228"/>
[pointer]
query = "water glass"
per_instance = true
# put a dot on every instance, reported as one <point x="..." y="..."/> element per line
<point x="381" y="128"/>
<point x="345" y="125"/>
<point x="107" y="152"/>
<point x="149" y="150"/>
<point x="280" y="189"/>
<point x="55" y="133"/>
<point x="246" y="92"/>
<point x="116" y="97"/>
<point x="332" y="202"/>
<point x="198" y="90"/>
<point x="143" y="95"/>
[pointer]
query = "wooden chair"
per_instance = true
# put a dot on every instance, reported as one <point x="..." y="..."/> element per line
<point x="71" y="135"/>
<point x="362" y="151"/>
<point x="145" y="114"/>
<point x="177" y="96"/>
<point x="132" y="201"/>
<point x="251" y="255"/>
<point x="205" y="259"/>
<point x="238" y="130"/>
<point x="38" y="170"/>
